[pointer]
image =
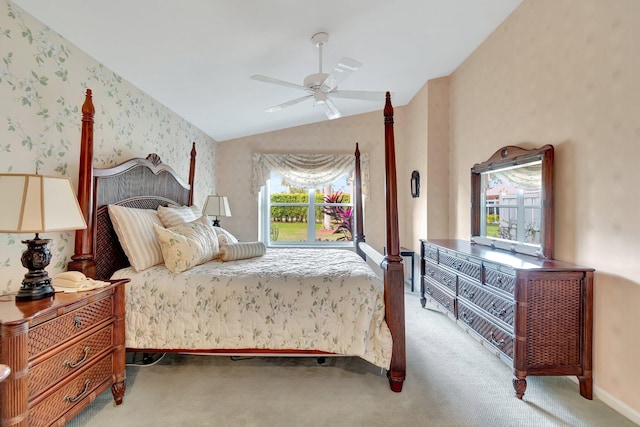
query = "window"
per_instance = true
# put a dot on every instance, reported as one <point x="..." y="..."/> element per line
<point x="321" y="215"/>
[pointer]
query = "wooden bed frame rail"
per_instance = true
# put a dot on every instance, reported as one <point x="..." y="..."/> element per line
<point x="98" y="253"/>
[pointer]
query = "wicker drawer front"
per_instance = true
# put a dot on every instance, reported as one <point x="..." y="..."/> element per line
<point x="441" y="276"/>
<point x="499" y="279"/>
<point x="498" y="337"/>
<point x="54" y="332"/>
<point x="431" y="252"/>
<point x="465" y="266"/>
<point x="496" y="306"/>
<point x="65" y="363"/>
<point x="439" y="295"/>
<point x="70" y="394"/>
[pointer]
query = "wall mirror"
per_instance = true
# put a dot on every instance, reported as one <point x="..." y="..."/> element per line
<point x="512" y="201"/>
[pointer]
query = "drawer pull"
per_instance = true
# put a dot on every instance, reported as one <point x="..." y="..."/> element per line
<point x="73" y="365"/>
<point x="467" y="320"/>
<point x="467" y="294"/>
<point x="494" y="342"/>
<point x="428" y="290"/>
<point x="445" y="302"/>
<point x="77" y="322"/>
<point x="431" y="272"/>
<point x="495" y="312"/>
<point x="70" y="399"/>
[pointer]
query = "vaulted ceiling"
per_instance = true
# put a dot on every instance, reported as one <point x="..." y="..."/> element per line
<point x="197" y="56"/>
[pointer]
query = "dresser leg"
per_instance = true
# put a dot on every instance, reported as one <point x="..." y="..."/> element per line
<point x="586" y="386"/>
<point x="117" y="389"/>
<point x="519" y="385"/>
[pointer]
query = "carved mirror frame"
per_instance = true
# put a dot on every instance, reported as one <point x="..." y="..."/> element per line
<point x="513" y="156"/>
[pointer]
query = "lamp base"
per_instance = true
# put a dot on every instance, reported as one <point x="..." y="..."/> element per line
<point x="36" y="284"/>
<point x="216" y="222"/>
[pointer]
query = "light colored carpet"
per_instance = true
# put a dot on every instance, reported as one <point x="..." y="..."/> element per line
<point x="452" y="380"/>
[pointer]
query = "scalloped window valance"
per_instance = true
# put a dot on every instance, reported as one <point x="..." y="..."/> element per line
<point x="307" y="170"/>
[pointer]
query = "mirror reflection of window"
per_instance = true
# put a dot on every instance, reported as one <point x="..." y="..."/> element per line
<point x="512" y="200"/>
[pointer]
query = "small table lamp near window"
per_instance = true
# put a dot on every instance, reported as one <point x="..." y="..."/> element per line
<point x="216" y="206"/>
<point x="37" y="204"/>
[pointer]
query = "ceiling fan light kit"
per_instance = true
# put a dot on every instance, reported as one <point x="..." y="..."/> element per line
<point x="321" y="87"/>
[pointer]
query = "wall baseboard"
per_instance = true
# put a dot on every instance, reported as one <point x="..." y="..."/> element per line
<point x="613" y="402"/>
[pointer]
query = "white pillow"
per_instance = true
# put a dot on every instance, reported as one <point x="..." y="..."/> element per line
<point x="222" y="232"/>
<point x="134" y="228"/>
<point x="242" y="250"/>
<point x="187" y="245"/>
<point x="175" y="215"/>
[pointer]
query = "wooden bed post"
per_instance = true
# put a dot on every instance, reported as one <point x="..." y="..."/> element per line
<point x="393" y="268"/>
<point x="359" y="237"/>
<point x="83" y="257"/>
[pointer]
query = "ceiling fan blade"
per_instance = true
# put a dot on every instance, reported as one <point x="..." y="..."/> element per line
<point x="360" y="94"/>
<point x="277" y="82"/>
<point x="286" y="104"/>
<point x="330" y="109"/>
<point x="344" y="69"/>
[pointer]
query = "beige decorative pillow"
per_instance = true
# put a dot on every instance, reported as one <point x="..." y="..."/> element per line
<point x="134" y="228"/>
<point x="175" y="215"/>
<point x="222" y="232"/>
<point x="242" y="250"/>
<point x="187" y="245"/>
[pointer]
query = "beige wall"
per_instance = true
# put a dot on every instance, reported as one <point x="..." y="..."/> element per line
<point x="566" y="73"/>
<point x="336" y="136"/>
<point x="425" y="148"/>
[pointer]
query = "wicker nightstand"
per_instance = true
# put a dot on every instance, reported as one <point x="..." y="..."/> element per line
<point x="63" y="352"/>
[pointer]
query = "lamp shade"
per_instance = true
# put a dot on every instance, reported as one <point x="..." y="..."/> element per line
<point x="37" y="203"/>
<point x="216" y="206"/>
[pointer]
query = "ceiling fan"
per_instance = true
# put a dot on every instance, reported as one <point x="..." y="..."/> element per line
<point x="321" y="87"/>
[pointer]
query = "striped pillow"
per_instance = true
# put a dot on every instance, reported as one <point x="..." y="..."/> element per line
<point x="242" y="250"/>
<point x="134" y="228"/>
<point x="175" y="215"/>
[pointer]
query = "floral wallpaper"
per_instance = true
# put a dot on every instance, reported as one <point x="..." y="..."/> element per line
<point x="43" y="79"/>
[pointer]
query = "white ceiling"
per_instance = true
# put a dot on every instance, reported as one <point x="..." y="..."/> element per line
<point x="196" y="56"/>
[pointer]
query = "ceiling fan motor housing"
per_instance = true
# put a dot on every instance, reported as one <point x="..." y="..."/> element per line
<point x="314" y="81"/>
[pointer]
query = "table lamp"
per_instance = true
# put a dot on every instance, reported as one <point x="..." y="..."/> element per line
<point x="216" y="206"/>
<point x="37" y="204"/>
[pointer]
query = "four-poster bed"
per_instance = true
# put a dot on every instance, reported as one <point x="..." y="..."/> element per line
<point x="145" y="184"/>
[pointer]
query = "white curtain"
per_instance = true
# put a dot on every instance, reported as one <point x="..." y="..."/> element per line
<point x="307" y="170"/>
<point x="526" y="177"/>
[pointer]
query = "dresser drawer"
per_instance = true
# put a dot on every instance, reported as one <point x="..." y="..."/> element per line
<point x="468" y="266"/>
<point x="492" y="333"/>
<point x="497" y="306"/>
<point x="502" y="280"/>
<point x="438" y="294"/>
<point x="430" y="252"/>
<point x="64" y="398"/>
<point x="53" y="332"/>
<point x="442" y="276"/>
<point x="66" y="362"/>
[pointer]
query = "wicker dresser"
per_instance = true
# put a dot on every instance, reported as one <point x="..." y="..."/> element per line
<point x="63" y="352"/>
<point x="535" y="314"/>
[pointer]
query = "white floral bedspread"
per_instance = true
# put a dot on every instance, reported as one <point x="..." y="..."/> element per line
<point x="307" y="299"/>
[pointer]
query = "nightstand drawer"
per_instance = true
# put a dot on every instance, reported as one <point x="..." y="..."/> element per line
<point x="52" y="333"/>
<point x="45" y="374"/>
<point x="71" y="394"/>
